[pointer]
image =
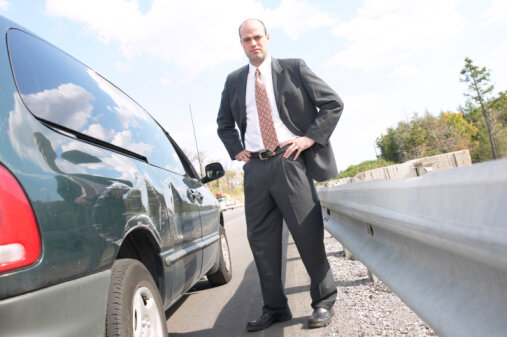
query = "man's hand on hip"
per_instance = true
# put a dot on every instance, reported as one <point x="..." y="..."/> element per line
<point x="297" y="145"/>
<point x="243" y="156"/>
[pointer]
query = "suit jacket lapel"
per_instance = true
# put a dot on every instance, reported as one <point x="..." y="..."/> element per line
<point x="241" y="85"/>
<point x="276" y="71"/>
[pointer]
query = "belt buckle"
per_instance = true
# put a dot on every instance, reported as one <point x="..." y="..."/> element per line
<point x="264" y="158"/>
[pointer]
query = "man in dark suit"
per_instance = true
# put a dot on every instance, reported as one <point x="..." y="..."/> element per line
<point x="285" y="115"/>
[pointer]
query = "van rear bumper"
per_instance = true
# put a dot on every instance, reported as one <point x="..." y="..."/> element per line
<point x="73" y="308"/>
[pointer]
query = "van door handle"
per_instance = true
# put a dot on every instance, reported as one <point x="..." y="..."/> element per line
<point x="199" y="196"/>
<point x="191" y="195"/>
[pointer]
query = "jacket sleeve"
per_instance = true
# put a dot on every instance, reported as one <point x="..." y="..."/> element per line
<point x="329" y="104"/>
<point x="226" y="125"/>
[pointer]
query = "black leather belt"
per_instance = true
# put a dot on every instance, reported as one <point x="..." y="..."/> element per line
<point x="263" y="155"/>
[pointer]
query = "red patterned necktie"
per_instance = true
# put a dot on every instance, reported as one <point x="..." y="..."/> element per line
<point x="268" y="131"/>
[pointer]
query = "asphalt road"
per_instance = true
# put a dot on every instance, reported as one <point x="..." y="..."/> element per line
<point x="223" y="311"/>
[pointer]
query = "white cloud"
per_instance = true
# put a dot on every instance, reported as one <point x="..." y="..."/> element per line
<point x="297" y="17"/>
<point x="84" y="147"/>
<point x="4" y="5"/>
<point x="123" y="66"/>
<point x="494" y="60"/>
<point x="404" y="70"/>
<point x="55" y="104"/>
<point x="98" y="131"/>
<point x="69" y="168"/>
<point x="124" y="139"/>
<point x="31" y="146"/>
<point x="497" y="12"/>
<point x="166" y="32"/>
<point x="21" y="140"/>
<point x="130" y="112"/>
<point x="128" y="166"/>
<point x="354" y="140"/>
<point x="388" y="32"/>
<point x="165" y="80"/>
<point x="500" y="50"/>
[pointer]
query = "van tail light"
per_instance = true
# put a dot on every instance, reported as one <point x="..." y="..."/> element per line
<point x="19" y="233"/>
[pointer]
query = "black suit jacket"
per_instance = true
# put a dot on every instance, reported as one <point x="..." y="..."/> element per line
<point x="306" y="104"/>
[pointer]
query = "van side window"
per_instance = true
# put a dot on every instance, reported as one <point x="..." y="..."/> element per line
<point x="57" y="88"/>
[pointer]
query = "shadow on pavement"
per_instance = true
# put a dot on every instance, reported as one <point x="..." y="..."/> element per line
<point x="231" y="320"/>
<point x="297" y="258"/>
<point x="199" y="286"/>
<point x="295" y="290"/>
<point x="243" y="306"/>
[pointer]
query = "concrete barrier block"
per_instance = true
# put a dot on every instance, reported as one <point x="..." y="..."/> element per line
<point x="412" y="168"/>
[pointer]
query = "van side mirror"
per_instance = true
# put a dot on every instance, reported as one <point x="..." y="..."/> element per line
<point x="213" y="171"/>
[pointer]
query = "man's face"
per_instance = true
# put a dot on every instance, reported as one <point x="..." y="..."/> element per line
<point x="254" y="41"/>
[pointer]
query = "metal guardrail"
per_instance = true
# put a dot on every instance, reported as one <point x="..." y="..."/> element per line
<point x="439" y="241"/>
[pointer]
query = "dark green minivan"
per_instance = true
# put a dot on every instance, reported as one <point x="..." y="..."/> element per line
<point x="104" y="223"/>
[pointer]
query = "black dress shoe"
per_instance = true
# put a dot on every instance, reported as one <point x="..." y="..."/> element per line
<point x="266" y="320"/>
<point x="320" y="317"/>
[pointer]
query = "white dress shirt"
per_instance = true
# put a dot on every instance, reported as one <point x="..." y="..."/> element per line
<point x="253" y="137"/>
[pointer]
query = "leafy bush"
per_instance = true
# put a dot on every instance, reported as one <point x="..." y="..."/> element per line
<point x="354" y="170"/>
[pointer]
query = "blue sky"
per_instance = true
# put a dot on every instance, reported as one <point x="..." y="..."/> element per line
<point x="386" y="59"/>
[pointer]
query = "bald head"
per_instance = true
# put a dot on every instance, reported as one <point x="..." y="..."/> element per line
<point x="252" y="20"/>
<point x="254" y="40"/>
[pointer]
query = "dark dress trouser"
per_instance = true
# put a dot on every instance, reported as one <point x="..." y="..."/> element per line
<point x="279" y="189"/>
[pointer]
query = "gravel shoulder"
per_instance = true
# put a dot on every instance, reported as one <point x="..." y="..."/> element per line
<point x="365" y="307"/>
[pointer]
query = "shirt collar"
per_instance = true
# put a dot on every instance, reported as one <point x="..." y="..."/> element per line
<point x="264" y="68"/>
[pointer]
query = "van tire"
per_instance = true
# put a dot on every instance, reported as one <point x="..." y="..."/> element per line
<point x="134" y="306"/>
<point x="224" y="272"/>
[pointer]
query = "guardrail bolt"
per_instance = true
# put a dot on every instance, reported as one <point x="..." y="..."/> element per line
<point x="369" y="228"/>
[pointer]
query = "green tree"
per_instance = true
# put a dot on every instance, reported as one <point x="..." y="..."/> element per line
<point x="196" y="159"/>
<point x="231" y="183"/>
<point x="479" y="87"/>
<point x="354" y="170"/>
<point x="498" y="117"/>
<point x="389" y="146"/>
<point x="473" y="115"/>
<point x="498" y="110"/>
<point x="456" y="132"/>
<point x="426" y="136"/>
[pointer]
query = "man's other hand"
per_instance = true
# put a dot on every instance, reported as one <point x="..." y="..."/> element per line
<point x="243" y="156"/>
<point x="297" y="145"/>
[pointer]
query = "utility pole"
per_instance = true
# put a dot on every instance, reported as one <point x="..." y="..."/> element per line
<point x="195" y="138"/>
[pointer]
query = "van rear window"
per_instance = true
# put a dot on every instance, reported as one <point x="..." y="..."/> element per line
<point x="56" y="87"/>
